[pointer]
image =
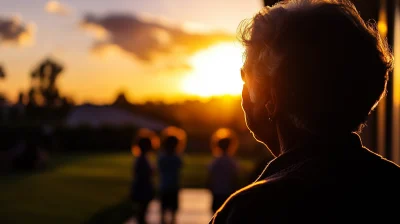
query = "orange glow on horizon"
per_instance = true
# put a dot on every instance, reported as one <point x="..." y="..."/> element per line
<point x="216" y="71"/>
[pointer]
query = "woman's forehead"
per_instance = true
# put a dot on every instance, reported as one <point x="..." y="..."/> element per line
<point x="251" y="59"/>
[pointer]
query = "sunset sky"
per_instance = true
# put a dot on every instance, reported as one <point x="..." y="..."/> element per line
<point x="151" y="49"/>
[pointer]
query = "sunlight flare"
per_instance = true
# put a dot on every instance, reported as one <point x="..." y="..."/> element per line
<point x="216" y="71"/>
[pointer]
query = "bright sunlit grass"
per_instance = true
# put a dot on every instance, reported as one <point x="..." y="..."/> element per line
<point x="216" y="71"/>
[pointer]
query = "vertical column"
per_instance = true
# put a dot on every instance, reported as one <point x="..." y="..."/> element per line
<point x="390" y="137"/>
<point x="396" y="86"/>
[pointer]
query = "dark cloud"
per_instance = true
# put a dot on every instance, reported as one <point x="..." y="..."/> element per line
<point x="13" y="30"/>
<point x="147" y="40"/>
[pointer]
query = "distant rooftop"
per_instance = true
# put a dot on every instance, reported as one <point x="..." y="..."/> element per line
<point x="97" y="116"/>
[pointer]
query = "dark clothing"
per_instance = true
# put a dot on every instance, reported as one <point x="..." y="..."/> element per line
<point x="169" y="166"/>
<point x="258" y="170"/>
<point x="218" y="200"/>
<point x="223" y="174"/>
<point x="323" y="182"/>
<point x="170" y="169"/>
<point x="170" y="200"/>
<point x="142" y="186"/>
<point x="223" y="179"/>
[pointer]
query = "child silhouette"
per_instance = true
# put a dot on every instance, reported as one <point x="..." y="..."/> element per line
<point x="223" y="171"/>
<point x="170" y="165"/>
<point x="142" y="191"/>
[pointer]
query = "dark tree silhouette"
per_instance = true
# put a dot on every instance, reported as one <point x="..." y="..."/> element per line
<point x="44" y="90"/>
<point x="2" y="72"/>
<point x="121" y="101"/>
<point x="21" y="98"/>
<point x="44" y="101"/>
<point x="2" y="76"/>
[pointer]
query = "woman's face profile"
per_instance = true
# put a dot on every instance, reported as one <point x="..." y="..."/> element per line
<point x="255" y="112"/>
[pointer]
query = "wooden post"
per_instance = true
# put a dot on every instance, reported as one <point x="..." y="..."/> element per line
<point x="396" y="85"/>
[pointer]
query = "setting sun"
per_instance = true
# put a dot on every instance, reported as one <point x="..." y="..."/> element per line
<point x="216" y="71"/>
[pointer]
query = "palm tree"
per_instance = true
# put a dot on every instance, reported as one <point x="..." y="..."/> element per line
<point x="44" y="82"/>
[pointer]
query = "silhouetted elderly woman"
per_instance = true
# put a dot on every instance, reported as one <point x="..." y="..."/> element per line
<point x="314" y="70"/>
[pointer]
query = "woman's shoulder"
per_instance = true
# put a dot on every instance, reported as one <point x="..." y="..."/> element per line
<point x="252" y="202"/>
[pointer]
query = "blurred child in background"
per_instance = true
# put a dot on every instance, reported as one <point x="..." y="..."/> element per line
<point x="142" y="191"/>
<point x="170" y="165"/>
<point x="223" y="177"/>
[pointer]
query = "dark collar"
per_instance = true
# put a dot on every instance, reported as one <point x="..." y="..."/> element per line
<point x="315" y="148"/>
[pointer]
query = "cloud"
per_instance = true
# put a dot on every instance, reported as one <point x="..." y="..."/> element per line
<point x="55" y="7"/>
<point x="106" y="49"/>
<point x="148" y="40"/>
<point x="14" y="31"/>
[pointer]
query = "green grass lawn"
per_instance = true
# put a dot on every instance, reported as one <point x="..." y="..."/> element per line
<point x="83" y="188"/>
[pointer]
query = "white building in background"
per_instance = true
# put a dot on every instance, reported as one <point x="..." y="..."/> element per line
<point x="97" y="116"/>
